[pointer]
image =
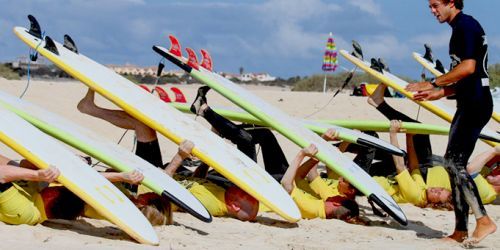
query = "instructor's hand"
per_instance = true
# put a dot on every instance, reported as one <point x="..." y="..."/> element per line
<point x="419" y="86"/>
<point x="428" y="95"/>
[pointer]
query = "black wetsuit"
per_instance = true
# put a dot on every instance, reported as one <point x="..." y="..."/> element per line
<point x="474" y="109"/>
<point x="246" y="137"/>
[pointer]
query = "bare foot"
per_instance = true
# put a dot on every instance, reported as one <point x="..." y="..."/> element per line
<point x="87" y="103"/>
<point x="457" y="236"/>
<point x="377" y="97"/>
<point x="484" y="227"/>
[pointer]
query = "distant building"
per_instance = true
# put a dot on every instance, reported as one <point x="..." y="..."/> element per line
<point x="129" y="69"/>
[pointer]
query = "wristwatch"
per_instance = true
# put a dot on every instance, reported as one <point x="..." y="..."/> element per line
<point x="433" y="82"/>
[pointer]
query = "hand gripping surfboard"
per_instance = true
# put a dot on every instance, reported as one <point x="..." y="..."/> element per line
<point x="174" y="125"/>
<point x="287" y="126"/>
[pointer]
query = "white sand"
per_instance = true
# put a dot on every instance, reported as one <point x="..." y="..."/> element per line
<point x="269" y="232"/>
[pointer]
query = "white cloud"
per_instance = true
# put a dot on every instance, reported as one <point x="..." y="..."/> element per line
<point x="387" y="47"/>
<point x="368" y="6"/>
<point x="494" y="41"/>
<point x="284" y="18"/>
<point x="436" y="40"/>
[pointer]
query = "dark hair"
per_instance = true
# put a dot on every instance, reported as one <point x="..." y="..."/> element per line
<point x="459" y="4"/>
<point x="60" y="203"/>
<point x="347" y="208"/>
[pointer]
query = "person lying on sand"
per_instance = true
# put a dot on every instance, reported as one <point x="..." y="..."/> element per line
<point x="436" y="185"/>
<point x="312" y="195"/>
<point x="27" y="198"/>
<point x="219" y="201"/>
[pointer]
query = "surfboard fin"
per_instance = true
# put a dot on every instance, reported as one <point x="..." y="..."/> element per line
<point x="375" y="65"/>
<point x="439" y="66"/>
<point x="206" y="61"/>
<point x="70" y="44"/>
<point x="175" y="46"/>
<point x="34" y="27"/>
<point x="50" y="45"/>
<point x="358" y="51"/>
<point x="428" y="53"/>
<point x="192" y="60"/>
<point x="383" y="65"/>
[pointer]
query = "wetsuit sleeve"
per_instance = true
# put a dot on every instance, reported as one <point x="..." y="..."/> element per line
<point x="411" y="189"/>
<point x="309" y="206"/>
<point x="486" y="191"/>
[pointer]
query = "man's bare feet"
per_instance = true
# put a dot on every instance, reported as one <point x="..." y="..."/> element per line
<point x="87" y="103"/>
<point x="457" y="236"/>
<point x="377" y="97"/>
<point x="484" y="227"/>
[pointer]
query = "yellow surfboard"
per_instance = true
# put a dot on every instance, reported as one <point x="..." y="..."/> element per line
<point x="430" y="66"/>
<point x="437" y="107"/>
<point x="171" y="123"/>
<point x="78" y="177"/>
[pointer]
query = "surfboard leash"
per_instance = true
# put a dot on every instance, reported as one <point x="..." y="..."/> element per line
<point x="346" y="81"/>
<point x="33" y="56"/>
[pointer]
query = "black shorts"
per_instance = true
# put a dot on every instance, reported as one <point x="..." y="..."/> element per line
<point x="150" y="152"/>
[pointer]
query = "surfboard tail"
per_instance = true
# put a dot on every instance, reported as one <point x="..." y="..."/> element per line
<point x="192" y="59"/>
<point x="175" y="46"/>
<point x="163" y="94"/>
<point x="179" y="96"/>
<point x="206" y="61"/>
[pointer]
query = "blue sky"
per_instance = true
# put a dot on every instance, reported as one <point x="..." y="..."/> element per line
<point x="283" y="37"/>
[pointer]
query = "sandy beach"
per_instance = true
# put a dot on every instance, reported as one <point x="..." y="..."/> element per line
<point x="425" y="227"/>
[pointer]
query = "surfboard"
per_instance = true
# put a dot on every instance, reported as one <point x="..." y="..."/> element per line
<point x="363" y="125"/>
<point x="437" y="107"/>
<point x="78" y="177"/>
<point x="431" y="66"/>
<point x="105" y="151"/>
<point x="174" y="125"/>
<point x="289" y="127"/>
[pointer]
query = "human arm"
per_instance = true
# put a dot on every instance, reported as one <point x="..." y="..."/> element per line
<point x="291" y="172"/>
<point x="412" y="153"/>
<point x="133" y="177"/>
<point x="462" y="70"/>
<point x="10" y="173"/>
<point x="478" y="162"/>
<point x="393" y="136"/>
<point x="184" y="152"/>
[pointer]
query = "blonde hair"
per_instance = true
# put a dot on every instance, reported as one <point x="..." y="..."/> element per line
<point x="158" y="211"/>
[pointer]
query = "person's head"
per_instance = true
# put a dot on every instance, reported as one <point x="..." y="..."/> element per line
<point x="155" y="208"/>
<point x="445" y="10"/>
<point x="240" y="204"/>
<point x="60" y="203"/>
<point x="341" y="207"/>
<point x="439" y="198"/>
<point x="346" y="189"/>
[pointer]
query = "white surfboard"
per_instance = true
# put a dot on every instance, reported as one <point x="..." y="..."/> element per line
<point x="294" y="130"/>
<point x="105" y="151"/>
<point x="431" y="66"/>
<point x="437" y="107"/>
<point x="77" y="176"/>
<point x="153" y="112"/>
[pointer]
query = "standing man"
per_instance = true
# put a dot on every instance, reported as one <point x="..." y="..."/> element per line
<point x="469" y="81"/>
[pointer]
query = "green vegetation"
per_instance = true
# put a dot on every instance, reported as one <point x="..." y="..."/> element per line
<point x="7" y="73"/>
<point x="494" y="71"/>
<point x="333" y="81"/>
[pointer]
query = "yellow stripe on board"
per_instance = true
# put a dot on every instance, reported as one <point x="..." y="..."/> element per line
<point x="154" y="125"/>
